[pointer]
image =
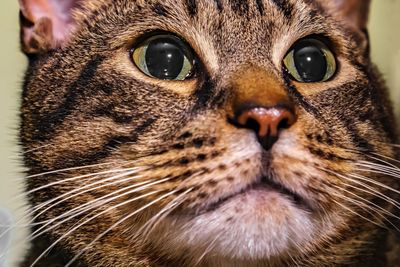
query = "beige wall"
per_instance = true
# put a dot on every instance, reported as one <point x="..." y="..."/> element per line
<point x="385" y="33"/>
<point x="12" y="65"/>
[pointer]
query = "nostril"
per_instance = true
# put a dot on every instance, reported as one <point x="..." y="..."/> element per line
<point x="284" y="124"/>
<point x="249" y="123"/>
<point x="252" y="124"/>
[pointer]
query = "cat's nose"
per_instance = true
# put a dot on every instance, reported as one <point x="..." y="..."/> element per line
<point x="266" y="122"/>
<point x="260" y="103"/>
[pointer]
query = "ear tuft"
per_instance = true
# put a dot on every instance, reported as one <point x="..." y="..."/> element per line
<point x="45" y="24"/>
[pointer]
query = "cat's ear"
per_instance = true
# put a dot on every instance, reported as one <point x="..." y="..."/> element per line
<point x="45" y="24"/>
<point x="353" y="12"/>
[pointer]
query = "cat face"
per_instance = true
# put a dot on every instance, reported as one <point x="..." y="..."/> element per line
<point x="206" y="131"/>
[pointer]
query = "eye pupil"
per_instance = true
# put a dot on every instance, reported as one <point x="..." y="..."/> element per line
<point x="310" y="63"/>
<point x="164" y="58"/>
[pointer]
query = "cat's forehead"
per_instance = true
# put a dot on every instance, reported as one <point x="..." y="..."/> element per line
<point x="243" y="14"/>
<point x="258" y="29"/>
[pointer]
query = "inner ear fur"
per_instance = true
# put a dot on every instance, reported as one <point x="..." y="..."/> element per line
<point x="46" y="24"/>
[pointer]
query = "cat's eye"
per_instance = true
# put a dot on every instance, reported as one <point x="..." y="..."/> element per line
<point x="164" y="57"/>
<point x="310" y="60"/>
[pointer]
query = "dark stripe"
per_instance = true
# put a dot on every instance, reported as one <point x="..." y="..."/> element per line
<point x="142" y="128"/>
<point x="51" y="121"/>
<point x="109" y="111"/>
<point x="220" y="7"/>
<point x="327" y="155"/>
<point x="93" y="157"/>
<point x="191" y="6"/>
<point x="241" y="7"/>
<point x="349" y="122"/>
<point x="260" y="6"/>
<point x="347" y="112"/>
<point x="219" y="99"/>
<point x="299" y="98"/>
<point x="285" y="7"/>
<point x="204" y="95"/>
<point x="160" y="10"/>
<point x="315" y="6"/>
<point x="357" y="139"/>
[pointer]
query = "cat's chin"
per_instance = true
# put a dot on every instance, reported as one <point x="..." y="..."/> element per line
<point x="257" y="224"/>
<point x="262" y="188"/>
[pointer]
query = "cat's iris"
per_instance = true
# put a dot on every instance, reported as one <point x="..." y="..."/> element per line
<point x="310" y="60"/>
<point x="164" y="57"/>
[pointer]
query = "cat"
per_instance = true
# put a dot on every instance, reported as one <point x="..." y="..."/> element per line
<point x="206" y="133"/>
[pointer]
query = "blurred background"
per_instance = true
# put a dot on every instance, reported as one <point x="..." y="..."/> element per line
<point x="385" y="36"/>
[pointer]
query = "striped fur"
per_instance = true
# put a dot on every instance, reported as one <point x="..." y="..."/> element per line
<point x="86" y="109"/>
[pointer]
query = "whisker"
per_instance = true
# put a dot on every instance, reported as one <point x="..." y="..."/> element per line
<point x="384" y="157"/>
<point x="356" y="179"/>
<point x="387" y="167"/>
<point x="356" y="213"/>
<point x="383" y="172"/>
<point x="62" y="181"/>
<point x="369" y="180"/>
<point x="369" y="189"/>
<point x="71" y="195"/>
<point x="65" y="170"/>
<point x="151" y="224"/>
<point x="80" y="191"/>
<point x="378" y="170"/>
<point x="375" y="156"/>
<point x="377" y="215"/>
<point x="370" y="205"/>
<point x="97" y="204"/>
<point x="88" y="220"/>
<point x="208" y="249"/>
<point x="395" y="145"/>
<point x="118" y="223"/>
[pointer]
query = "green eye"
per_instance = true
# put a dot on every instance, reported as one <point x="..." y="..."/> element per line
<point x="310" y="60"/>
<point x="164" y="57"/>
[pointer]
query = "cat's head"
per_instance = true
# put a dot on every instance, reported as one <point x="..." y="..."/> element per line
<point x="206" y="130"/>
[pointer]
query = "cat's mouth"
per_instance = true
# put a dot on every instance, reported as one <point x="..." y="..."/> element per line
<point x="264" y="186"/>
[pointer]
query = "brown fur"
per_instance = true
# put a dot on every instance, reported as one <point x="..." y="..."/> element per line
<point x="85" y="103"/>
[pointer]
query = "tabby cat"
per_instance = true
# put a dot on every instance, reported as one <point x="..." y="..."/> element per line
<point x="206" y="133"/>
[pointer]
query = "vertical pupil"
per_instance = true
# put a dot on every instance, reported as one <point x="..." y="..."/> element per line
<point x="164" y="59"/>
<point x="310" y="63"/>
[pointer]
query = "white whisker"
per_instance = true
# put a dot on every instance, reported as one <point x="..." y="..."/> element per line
<point x="369" y="205"/>
<point x="208" y="249"/>
<point x="383" y="172"/>
<point x="149" y="226"/>
<point x="118" y="223"/>
<point x="82" y="190"/>
<point x="97" y="204"/>
<point x="369" y="190"/>
<point x="64" y="170"/>
<point x="356" y="213"/>
<point x="88" y="220"/>
<point x="62" y="181"/>
<point x="69" y="196"/>
<point x="365" y="179"/>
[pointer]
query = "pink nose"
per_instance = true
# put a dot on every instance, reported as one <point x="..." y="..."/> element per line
<point x="266" y="122"/>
